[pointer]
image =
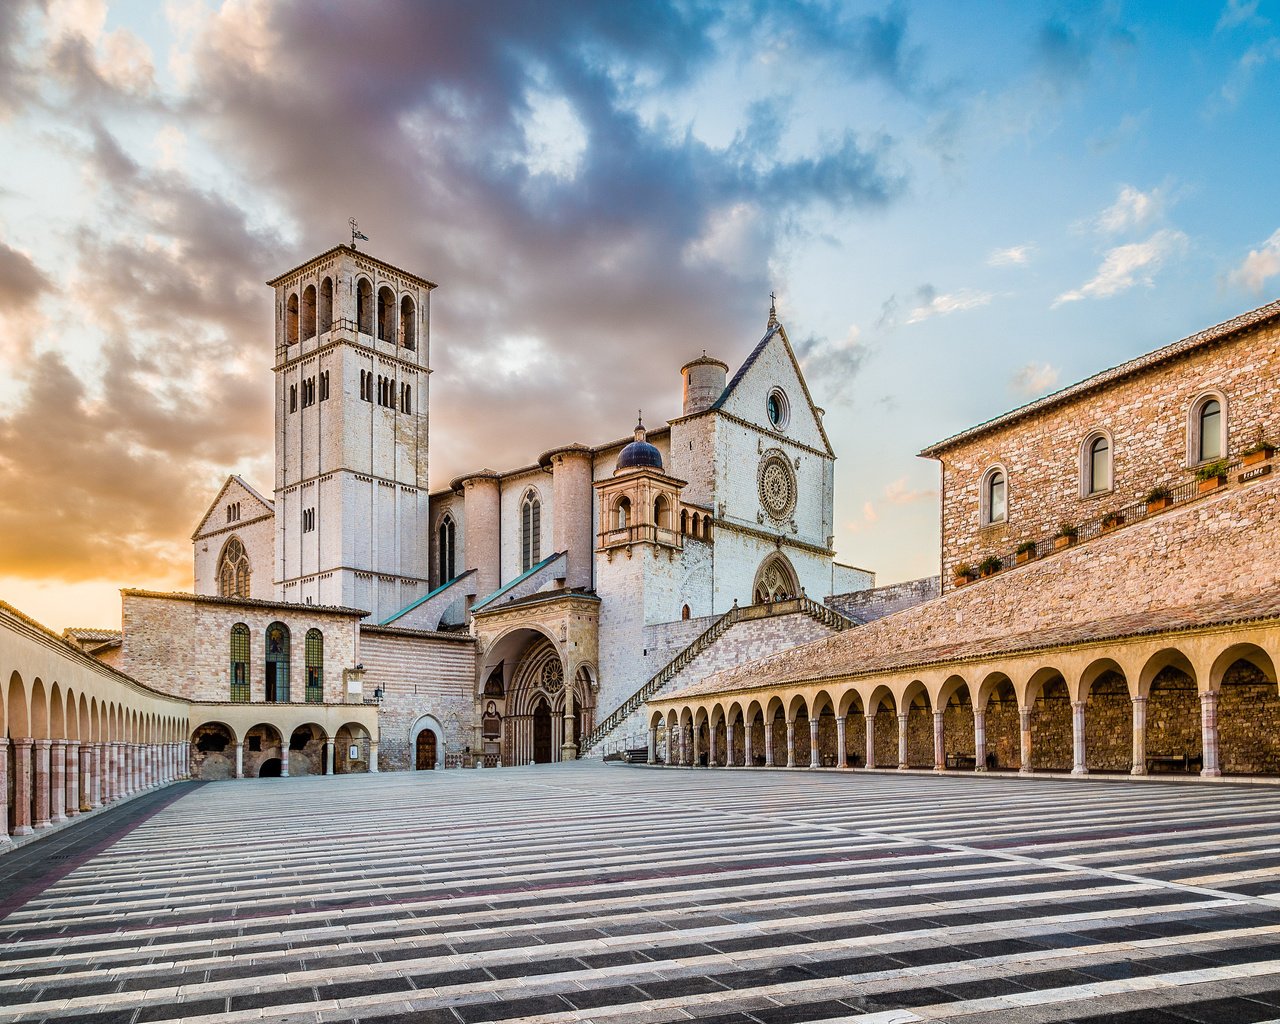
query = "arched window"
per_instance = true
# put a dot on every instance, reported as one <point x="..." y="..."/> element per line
<point x="446" y="535"/>
<point x="775" y="581"/>
<point x="326" y="304"/>
<point x="662" y="512"/>
<point x="291" y="320"/>
<point x="233" y="570"/>
<point x="408" y="324"/>
<point x="386" y="314"/>
<point x="530" y="531"/>
<point x="240" y="663"/>
<point x="995" y="497"/>
<point x="277" y="663"/>
<point x="364" y="306"/>
<point x="684" y="612"/>
<point x="406" y="398"/>
<point x="309" y="311"/>
<point x="684" y="520"/>
<point x="622" y="513"/>
<point x="314" y="643"/>
<point x="1095" y="465"/>
<point x="1208" y="429"/>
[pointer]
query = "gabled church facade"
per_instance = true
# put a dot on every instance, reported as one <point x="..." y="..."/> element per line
<point x="569" y="581"/>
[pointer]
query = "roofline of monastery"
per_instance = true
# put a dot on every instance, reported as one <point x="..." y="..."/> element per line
<point x="248" y="602"/>
<point x="431" y="634"/>
<point x="1209" y="336"/>
<point x="351" y="249"/>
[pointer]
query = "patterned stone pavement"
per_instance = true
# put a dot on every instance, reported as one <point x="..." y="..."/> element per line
<point x="626" y="895"/>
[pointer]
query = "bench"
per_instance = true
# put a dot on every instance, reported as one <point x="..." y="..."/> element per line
<point x="1175" y="762"/>
<point x="961" y="762"/>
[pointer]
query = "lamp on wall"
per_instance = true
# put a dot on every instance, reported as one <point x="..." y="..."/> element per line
<point x="377" y="694"/>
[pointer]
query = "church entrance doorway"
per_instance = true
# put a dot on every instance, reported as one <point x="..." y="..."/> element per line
<point x="542" y="732"/>
<point x="426" y="753"/>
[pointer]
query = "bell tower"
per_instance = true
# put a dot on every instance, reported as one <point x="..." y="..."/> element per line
<point x="351" y="367"/>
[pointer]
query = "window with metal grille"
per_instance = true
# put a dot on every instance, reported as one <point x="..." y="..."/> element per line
<point x="530" y="528"/>
<point x="315" y="666"/>
<point x="240" y="663"/>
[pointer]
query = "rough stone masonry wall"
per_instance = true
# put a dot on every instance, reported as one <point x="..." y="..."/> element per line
<point x="1146" y="416"/>
<point x="876" y="603"/>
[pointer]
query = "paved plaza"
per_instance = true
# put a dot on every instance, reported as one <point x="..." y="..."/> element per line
<point x="588" y="892"/>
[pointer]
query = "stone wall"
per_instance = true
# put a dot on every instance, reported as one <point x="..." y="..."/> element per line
<point x="1248" y="722"/>
<point x="1146" y="415"/>
<point x="868" y="605"/>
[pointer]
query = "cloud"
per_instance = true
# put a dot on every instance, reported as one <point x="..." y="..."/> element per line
<point x="1242" y="74"/>
<point x="1132" y="209"/>
<point x="931" y="304"/>
<point x="898" y="493"/>
<point x="1128" y="265"/>
<point x="1034" y="379"/>
<point x="831" y="367"/>
<point x="1259" y="266"/>
<point x="21" y="281"/>
<point x="1014" y="256"/>
<point x="1067" y="49"/>
<point x="1237" y="13"/>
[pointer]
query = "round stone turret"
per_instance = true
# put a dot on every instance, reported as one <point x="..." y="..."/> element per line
<point x="704" y="382"/>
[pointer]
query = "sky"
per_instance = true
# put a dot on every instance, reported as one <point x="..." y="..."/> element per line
<point x="961" y="207"/>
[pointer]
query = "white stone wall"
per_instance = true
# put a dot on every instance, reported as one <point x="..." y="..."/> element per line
<point x="514" y="488"/>
<point x="256" y="530"/>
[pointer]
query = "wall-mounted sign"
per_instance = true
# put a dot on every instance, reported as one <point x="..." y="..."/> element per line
<point x="354" y="752"/>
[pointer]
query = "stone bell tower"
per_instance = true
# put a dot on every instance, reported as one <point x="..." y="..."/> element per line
<point x="351" y="368"/>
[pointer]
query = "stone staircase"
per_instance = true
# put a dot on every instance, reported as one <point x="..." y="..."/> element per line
<point x="740" y="634"/>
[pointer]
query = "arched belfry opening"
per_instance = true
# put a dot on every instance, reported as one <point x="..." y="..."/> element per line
<point x="776" y="580"/>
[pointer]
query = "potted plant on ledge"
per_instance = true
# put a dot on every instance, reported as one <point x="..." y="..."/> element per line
<point x="990" y="565"/>
<point x="1259" y="451"/>
<point x="1065" y="537"/>
<point x="1026" y="551"/>
<point x="1211" y="476"/>
<point x="1158" y="499"/>
<point x="965" y="574"/>
<point x="1111" y="520"/>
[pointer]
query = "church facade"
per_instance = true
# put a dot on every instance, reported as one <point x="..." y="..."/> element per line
<point x="505" y="613"/>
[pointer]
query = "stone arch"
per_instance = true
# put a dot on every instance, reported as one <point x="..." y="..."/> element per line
<point x="364" y="305"/>
<point x="918" y="707"/>
<point x="263" y="751"/>
<point x="39" y="711"/>
<point x="386" y="314"/>
<point x="420" y="749"/>
<point x="775" y="580"/>
<point x="532" y="712"/>
<point x="1248" y="711"/>
<point x="291" y="319"/>
<point x="1169" y="682"/>
<point x="17" y="711"/>
<point x="57" y="712"/>
<point x="735" y="719"/>
<point x="408" y="324"/>
<point x="1049" y="701"/>
<point x="882" y="709"/>
<point x="213" y="754"/>
<point x="308" y="328"/>
<point x="306" y="750"/>
<point x="1108" y="716"/>
<point x="998" y="701"/>
<point x="959" y="742"/>
<point x="326" y="304"/>
<point x="351" y="737"/>
<point x="851" y="707"/>
<point x="753" y="733"/>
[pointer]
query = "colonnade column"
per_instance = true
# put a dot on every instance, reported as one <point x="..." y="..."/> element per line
<point x="979" y="739"/>
<point x="84" y="798"/>
<point x="747" y="729"/>
<point x="1077" y="738"/>
<point x="711" y="745"/>
<point x="328" y="757"/>
<point x="57" y="781"/>
<point x="95" y="776"/>
<point x="373" y="756"/>
<point x="693" y="746"/>
<point x="41" y="782"/>
<point x="5" y="841"/>
<point x="1209" y="733"/>
<point x="814" y="760"/>
<point x="842" y="758"/>
<point x="728" y="744"/>
<point x="939" y="749"/>
<point x="240" y="760"/>
<point x="791" y="743"/>
<point x="902" y="741"/>
<point x="871" y="741"/>
<point x="653" y="744"/>
<point x="22" y="785"/>
<point x="284" y="758"/>
<point x="185" y="751"/>
<point x="72" y="778"/>
<point x="1139" y="736"/>
<point x="768" y="744"/>
<point x="1024" y="725"/>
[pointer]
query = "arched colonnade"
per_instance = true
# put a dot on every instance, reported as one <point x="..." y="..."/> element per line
<point x="1203" y="701"/>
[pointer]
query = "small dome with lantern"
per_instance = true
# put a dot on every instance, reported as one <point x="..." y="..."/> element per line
<point x="639" y="454"/>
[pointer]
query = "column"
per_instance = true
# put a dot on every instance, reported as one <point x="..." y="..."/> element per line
<point x="1077" y="738"/>
<point x="184" y="751"/>
<point x="768" y="744"/>
<point x="57" y="781"/>
<point x="108" y="773"/>
<point x="693" y="746"/>
<point x="902" y="741"/>
<point x="373" y="757"/>
<point x="569" y="749"/>
<point x="711" y="744"/>
<point x="95" y="775"/>
<point x="1024" y="724"/>
<point x="728" y="743"/>
<point x="748" y="729"/>
<point x="40" y="782"/>
<point x="791" y="743"/>
<point x="1209" y="733"/>
<point x="939" y="744"/>
<point x="239" y="760"/>
<point x="5" y="841"/>
<point x="871" y="740"/>
<point x="22" y="785"/>
<point x="1139" y="736"/>
<point x="72" y="776"/>
<point x="979" y="739"/>
<point x="84" y="798"/>
<point x="284" y="757"/>
<point x="842" y="759"/>
<point x="328" y="758"/>
<point x="814" y="760"/>
<point x="129" y="754"/>
<point x="653" y="744"/>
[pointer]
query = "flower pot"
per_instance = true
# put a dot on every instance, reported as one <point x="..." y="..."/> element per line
<point x="1261" y="455"/>
<point x="1024" y="556"/>
<point x="1212" y="484"/>
<point x="989" y="572"/>
<point x="1158" y="505"/>
<point x="1110" y="524"/>
<point x="1062" y="542"/>
<point x="961" y="581"/>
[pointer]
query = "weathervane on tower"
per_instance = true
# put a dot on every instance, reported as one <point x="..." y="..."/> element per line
<point x="356" y="233"/>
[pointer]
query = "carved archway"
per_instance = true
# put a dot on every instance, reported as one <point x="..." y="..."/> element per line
<point x="776" y="580"/>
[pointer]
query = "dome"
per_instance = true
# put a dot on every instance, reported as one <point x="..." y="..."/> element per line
<point x="639" y="454"/>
